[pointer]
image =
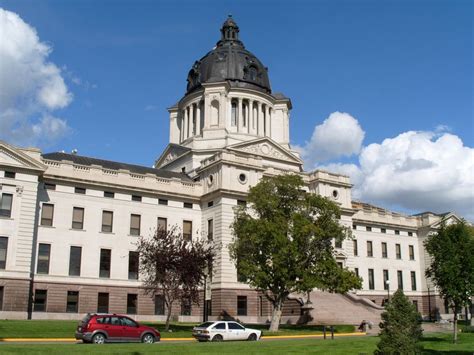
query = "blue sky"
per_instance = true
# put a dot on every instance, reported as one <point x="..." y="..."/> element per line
<point x="394" y="66"/>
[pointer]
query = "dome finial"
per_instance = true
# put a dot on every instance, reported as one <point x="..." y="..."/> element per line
<point x="230" y="30"/>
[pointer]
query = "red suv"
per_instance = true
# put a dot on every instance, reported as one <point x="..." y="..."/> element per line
<point x="104" y="328"/>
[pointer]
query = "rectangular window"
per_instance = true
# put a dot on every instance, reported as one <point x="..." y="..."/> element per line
<point x="413" y="280"/>
<point x="187" y="230"/>
<point x="397" y="232"/>
<point x="132" y="303"/>
<point x="356" y="270"/>
<point x="80" y="190"/>
<point x="383" y="230"/>
<point x="356" y="247"/>
<point x="47" y="212"/>
<point x="410" y="234"/>
<point x="398" y="251"/>
<point x="415" y="303"/>
<point x="338" y="243"/>
<point x="241" y="305"/>
<point x="242" y="203"/>
<point x="77" y="218"/>
<point x="411" y="252"/>
<point x="10" y="174"/>
<point x="72" y="303"/>
<point x="370" y="251"/>
<point x="384" y="250"/>
<point x="385" y="279"/>
<point x="354" y="226"/>
<point x="210" y="229"/>
<point x="109" y="194"/>
<point x="107" y="221"/>
<point x="3" y="252"/>
<point x="135" y="224"/>
<point x="136" y="198"/>
<point x="210" y="204"/>
<point x="162" y="224"/>
<point x="49" y="186"/>
<point x="159" y="305"/>
<point x="44" y="251"/>
<point x="187" y="205"/>
<point x="6" y="205"/>
<point x="368" y="229"/>
<point x="371" y="279"/>
<point x="163" y="202"/>
<point x="103" y="302"/>
<point x="186" y="307"/>
<point x="133" y="263"/>
<point x="105" y="255"/>
<point x="1" y="297"/>
<point x="400" y="279"/>
<point x="75" y="256"/>
<point x="40" y="300"/>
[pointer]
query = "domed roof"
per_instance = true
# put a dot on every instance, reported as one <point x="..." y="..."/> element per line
<point x="229" y="61"/>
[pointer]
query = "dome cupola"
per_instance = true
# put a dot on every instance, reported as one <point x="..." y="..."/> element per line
<point x="229" y="61"/>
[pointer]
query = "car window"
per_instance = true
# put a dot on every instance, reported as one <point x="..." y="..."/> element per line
<point x="235" y="326"/>
<point x="128" y="322"/>
<point x="205" y="325"/>
<point x="114" y="321"/>
<point x="219" y="326"/>
<point x="102" y="320"/>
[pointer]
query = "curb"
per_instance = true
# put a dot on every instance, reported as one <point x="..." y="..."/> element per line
<point x="73" y="340"/>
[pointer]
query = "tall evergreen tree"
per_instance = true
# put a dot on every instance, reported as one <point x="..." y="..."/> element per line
<point x="400" y="327"/>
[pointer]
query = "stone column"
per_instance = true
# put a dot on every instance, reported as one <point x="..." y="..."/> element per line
<point x="198" y="119"/>
<point x="185" y="133"/>
<point x="250" y="119"/>
<point x="267" y="122"/>
<point x="191" y="120"/>
<point x="240" y="116"/>
<point x="260" y="119"/>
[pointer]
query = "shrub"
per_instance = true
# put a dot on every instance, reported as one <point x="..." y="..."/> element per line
<point x="400" y="327"/>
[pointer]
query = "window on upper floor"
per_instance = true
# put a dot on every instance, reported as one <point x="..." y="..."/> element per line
<point x="356" y="271"/>
<point x="162" y="224"/>
<point x="233" y="119"/>
<point x="6" y="205"/>
<point x="413" y="280"/>
<point x="44" y="252"/>
<point x="397" y="232"/>
<point x="368" y="229"/>
<point x="384" y="250"/>
<point x="187" y="230"/>
<point x="163" y="202"/>
<point x="133" y="264"/>
<point x="355" y="247"/>
<point x="109" y="194"/>
<point x="48" y="186"/>
<point x="210" y="229"/>
<point x="77" y="218"/>
<point x="135" y="224"/>
<point x="371" y="279"/>
<point x="354" y="226"/>
<point x="398" y="251"/>
<point x="3" y="252"/>
<point x="400" y="279"/>
<point x="47" y="212"/>
<point x="385" y="279"/>
<point x="411" y="252"/>
<point x="10" y="174"/>
<point x="104" y="266"/>
<point x="410" y="234"/>
<point x="383" y="230"/>
<point x="187" y="205"/>
<point x="338" y="243"/>
<point x="370" y="251"/>
<point x="107" y="221"/>
<point x="75" y="256"/>
<point x="136" y="198"/>
<point x="80" y="190"/>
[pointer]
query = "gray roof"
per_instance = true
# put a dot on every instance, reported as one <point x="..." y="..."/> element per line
<point x="229" y="61"/>
<point x="114" y="165"/>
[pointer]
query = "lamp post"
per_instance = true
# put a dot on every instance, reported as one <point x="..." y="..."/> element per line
<point x="387" y="282"/>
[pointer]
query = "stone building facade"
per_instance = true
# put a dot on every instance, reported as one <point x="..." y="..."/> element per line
<point x="69" y="223"/>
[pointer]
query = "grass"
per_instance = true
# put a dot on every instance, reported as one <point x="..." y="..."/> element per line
<point x="432" y="344"/>
<point x="66" y="329"/>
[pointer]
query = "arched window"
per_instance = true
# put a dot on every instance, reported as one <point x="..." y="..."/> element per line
<point x="201" y="113"/>
<point x="233" y="114"/>
<point x="194" y="119"/>
<point x="215" y="113"/>
<point x="244" y="114"/>
<point x="253" y="73"/>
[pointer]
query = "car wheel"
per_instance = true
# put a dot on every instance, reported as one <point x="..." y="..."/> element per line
<point x="148" y="339"/>
<point x="98" y="338"/>
<point x="217" y="337"/>
<point x="252" y="337"/>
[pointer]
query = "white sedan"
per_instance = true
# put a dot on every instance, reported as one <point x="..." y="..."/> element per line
<point x="224" y="330"/>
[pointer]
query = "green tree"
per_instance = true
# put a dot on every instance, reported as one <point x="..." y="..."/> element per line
<point x="452" y="265"/>
<point x="400" y="327"/>
<point x="173" y="266"/>
<point x="283" y="242"/>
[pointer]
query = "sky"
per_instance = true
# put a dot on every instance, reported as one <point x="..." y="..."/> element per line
<point x="381" y="90"/>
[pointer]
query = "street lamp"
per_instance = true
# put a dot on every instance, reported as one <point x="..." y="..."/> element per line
<point x="387" y="282"/>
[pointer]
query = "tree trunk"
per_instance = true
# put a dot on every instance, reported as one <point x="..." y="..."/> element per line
<point x="455" y="326"/>
<point x="276" y="316"/>
<point x="168" y="317"/>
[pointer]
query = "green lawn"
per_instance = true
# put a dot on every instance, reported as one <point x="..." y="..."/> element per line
<point x="432" y="344"/>
<point x="66" y="329"/>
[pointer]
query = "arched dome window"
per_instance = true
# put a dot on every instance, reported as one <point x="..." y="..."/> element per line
<point x="214" y="113"/>
<point x="245" y="108"/>
<point x="253" y="72"/>
<point x="233" y="113"/>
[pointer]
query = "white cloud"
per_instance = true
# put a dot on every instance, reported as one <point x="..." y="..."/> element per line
<point x="339" y="135"/>
<point x="31" y="87"/>
<point x="417" y="171"/>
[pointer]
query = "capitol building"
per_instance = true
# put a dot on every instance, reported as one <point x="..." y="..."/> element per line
<point x="69" y="223"/>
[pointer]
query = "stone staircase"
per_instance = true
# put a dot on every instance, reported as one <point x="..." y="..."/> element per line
<point x="332" y="308"/>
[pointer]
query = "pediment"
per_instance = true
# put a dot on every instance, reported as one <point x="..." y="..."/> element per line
<point x="267" y="148"/>
<point x="171" y="153"/>
<point x="448" y="219"/>
<point x="14" y="157"/>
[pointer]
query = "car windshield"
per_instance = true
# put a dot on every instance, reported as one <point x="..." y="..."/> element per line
<point x="205" y="325"/>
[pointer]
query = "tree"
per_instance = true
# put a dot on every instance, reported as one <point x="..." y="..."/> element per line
<point x="400" y="327"/>
<point x="452" y="265"/>
<point x="283" y="242"/>
<point x="173" y="266"/>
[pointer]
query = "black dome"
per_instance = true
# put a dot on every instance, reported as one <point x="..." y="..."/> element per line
<point x="229" y="61"/>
